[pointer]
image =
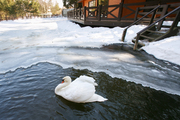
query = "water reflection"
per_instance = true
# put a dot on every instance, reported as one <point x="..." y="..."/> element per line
<point x="29" y="94"/>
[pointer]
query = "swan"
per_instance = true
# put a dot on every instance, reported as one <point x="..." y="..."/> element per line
<point x="81" y="90"/>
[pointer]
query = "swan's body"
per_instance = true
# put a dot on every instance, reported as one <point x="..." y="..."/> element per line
<point x="81" y="90"/>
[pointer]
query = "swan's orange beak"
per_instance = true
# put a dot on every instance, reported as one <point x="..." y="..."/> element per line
<point x="62" y="81"/>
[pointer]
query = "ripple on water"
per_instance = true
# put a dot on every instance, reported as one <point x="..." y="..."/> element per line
<point x="29" y="94"/>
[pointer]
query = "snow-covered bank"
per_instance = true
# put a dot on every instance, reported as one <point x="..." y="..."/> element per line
<point x="65" y="33"/>
<point x="167" y="49"/>
<point x="59" y="41"/>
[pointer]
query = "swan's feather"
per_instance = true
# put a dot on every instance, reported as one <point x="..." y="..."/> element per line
<point x="87" y="79"/>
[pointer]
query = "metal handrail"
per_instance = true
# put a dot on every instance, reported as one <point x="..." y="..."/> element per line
<point x="138" y="34"/>
<point x="125" y="30"/>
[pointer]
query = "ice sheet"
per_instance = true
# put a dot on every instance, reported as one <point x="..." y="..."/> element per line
<point x="59" y="41"/>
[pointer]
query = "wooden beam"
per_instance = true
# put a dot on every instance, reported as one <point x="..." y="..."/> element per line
<point x="99" y="13"/>
<point x="120" y="10"/>
<point x="165" y="8"/>
<point x="84" y="13"/>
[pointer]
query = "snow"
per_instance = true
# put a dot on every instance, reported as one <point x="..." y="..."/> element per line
<point x="59" y="41"/>
<point x="167" y="49"/>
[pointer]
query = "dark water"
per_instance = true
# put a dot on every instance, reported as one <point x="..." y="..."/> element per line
<point x="29" y="94"/>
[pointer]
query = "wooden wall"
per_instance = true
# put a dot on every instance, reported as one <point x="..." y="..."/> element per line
<point x="115" y="12"/>
<point x="128" y="3"/>
<point x="127" y="11"/>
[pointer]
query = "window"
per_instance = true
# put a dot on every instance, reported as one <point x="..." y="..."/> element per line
<point x="92" y="3"/>
<point x="103" y="2"/>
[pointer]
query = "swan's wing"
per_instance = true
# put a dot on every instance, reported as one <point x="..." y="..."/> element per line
<point x="84" y="78"/>
<point x="79" y="91"/>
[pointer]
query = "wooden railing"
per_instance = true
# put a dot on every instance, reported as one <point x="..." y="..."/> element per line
<point x="110" y="12"/>
<point x="174" y="24"/>
<point x="94" y="13"/>
<point x="113" y="12"/>
<point x="152" y="13"/>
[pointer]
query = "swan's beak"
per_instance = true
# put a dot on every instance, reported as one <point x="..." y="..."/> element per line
<point x="62" y="81"/>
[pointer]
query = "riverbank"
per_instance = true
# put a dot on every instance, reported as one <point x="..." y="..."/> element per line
<point x="24" y="43"/>
<point x="166" y="49"/>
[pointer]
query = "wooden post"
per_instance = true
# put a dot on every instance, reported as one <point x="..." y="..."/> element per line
<point x="165" y="8"/>
<point x="124" y="34"/>
<point x="99" y="12"/>
<point x="175" y="22"/>
<point x="136" y="14"/>
<point x="74" y="13"/>
<point x="84" y="13"/>
<point x="80" y="13"/>
<point x="152" y="17"/>
<point x="136" y="42"/>
<point x="120" y="11"/>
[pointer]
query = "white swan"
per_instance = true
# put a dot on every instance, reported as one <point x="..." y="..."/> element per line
<point x="81" y="90"/>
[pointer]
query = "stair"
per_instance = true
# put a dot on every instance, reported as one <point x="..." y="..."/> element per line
<point x="155" y="29"/>
<point x="154" y="34"/>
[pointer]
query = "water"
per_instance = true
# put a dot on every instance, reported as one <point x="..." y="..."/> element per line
<point x="28" y="93"/>
<point x="36" y="55"/>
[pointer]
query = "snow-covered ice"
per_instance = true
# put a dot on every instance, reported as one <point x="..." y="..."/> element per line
<point x="59" y="41"/>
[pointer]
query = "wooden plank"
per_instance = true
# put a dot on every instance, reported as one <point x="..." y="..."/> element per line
<point x="99" y="13"/>
<point x="175" y="22"/>
<point x="144" y="13"/>
<point x="157" y="32"/>
<point x="136" y="14"/>
<point x="109" y="19"/>
<point x="147" y="37"/>
<point x="165" y="8"/>
<point x="146" y="7"/>
<point x="146" y="19"/>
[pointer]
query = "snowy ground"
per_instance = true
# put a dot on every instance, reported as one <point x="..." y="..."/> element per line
<point x="167" y="49"/>
<point x="27" y="42"/>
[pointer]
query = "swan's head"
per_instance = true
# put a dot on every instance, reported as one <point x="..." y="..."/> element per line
<point x="66" y="79"/>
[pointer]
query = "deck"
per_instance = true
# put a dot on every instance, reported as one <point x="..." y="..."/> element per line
<point x="112" y="15"/>
<point x="103" y="23"/>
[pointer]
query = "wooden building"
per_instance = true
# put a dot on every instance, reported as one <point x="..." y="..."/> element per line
<point x="126" y="13"/>
<point x="110" y="12"/>
<point x="112" y="8"/>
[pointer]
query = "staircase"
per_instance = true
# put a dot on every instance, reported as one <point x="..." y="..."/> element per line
<point x="155" y="29"/>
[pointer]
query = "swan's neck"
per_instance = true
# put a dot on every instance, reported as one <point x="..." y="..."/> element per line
<point x="60" y="86"/>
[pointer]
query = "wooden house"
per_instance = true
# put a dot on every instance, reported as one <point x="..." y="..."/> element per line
<point x="112" y="6"/>
<point x="125" y="13"/>
<point x="110" y="12"/>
